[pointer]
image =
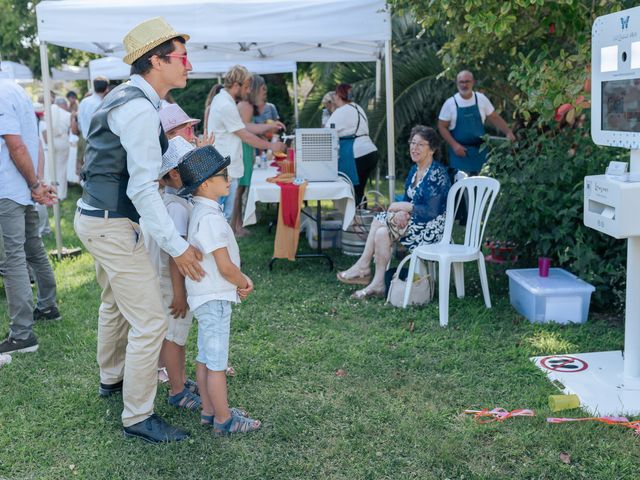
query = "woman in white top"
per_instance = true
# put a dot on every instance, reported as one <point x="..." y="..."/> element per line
<point x="358" y="154"/>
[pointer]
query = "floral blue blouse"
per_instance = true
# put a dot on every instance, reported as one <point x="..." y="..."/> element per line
<point x="429" y="198"/>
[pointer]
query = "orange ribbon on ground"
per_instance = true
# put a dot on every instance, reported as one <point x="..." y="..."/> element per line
<point x="622" y="421"/>
<point x="498" y="414"/>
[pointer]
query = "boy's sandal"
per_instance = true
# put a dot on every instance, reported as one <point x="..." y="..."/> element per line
<point x="185" y="399"/>
<point x="236" y="424"/>
<point x="192" y="386"/>
<point x="208" y="419"/>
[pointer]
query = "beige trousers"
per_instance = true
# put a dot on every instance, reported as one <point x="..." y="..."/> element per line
<point x="131" y="320"/>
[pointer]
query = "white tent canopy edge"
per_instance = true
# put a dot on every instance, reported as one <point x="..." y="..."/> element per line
<point x="308" y="30"/>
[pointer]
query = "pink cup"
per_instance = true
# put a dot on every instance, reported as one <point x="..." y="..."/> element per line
<point x="544" y="263"/>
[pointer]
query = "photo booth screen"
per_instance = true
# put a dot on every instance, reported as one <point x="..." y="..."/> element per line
<point x="621" y="105"/>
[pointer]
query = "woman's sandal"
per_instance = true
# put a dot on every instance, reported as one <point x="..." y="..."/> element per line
<point x="367" y="293"/>
<point x="192" y="387"/>
<point x="236" y="424"/>
<point x="361" y="277"/>
<point x="185" y="399"/>
<point x="208" y="419"/>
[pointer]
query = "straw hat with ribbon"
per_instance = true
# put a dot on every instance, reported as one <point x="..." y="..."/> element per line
<point x="146" y="36"/>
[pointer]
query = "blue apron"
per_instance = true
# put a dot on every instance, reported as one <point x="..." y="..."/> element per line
<point x="468" y="132"/>
<point x="346" y="158"/>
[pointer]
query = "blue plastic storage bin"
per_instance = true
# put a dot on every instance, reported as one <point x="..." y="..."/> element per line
<point x="561" y="297"/>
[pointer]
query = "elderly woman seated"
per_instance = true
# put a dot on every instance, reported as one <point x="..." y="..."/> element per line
<point x="417" y="220"/>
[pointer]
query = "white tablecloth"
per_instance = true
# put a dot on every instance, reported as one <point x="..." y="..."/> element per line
<point x="265" y="192"/>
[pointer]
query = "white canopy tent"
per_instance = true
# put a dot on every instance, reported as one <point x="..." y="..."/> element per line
<point x="237" y="31"/>
<point x="115" y="69"/>
<point x="69" y="73"/>
<point x="16" y="71"/>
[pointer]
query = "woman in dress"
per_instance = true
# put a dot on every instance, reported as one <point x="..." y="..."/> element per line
<point x="419" y="219"/>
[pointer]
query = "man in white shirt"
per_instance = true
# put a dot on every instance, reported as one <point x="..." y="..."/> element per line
<point x="90" y="104"/>
<point x="230" y="131"/>
<point x="123" y="159"/>
<point x="63" y="122"/>
<point x="19" y="224"/>
<point x="461" y="124"/>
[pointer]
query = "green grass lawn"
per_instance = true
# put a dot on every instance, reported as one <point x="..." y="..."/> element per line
<point x="397" y="413"/>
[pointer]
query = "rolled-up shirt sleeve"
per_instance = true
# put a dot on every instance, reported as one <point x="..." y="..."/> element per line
<point x="138" y="126"/>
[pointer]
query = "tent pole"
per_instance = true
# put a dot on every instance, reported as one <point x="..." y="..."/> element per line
<point x="46" y="81"/>
<point x="295" y="97"/>
<point x="376" y="103"/>
<point x="391" y="153"/>
<point x="378" y="80"/>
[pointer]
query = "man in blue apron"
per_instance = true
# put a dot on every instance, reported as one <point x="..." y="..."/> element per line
<point x="461" y="124"/>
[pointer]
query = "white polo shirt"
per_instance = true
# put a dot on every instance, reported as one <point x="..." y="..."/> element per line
<point x="210" y="231"/>
<point x="224" y="119"/>
<point x="449" y="112"/>
<point x="17" y="117"/>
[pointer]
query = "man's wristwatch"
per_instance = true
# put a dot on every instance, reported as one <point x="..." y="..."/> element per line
<point x="35" y="186"/>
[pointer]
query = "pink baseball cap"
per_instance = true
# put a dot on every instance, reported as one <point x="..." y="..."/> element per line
<point x="172" y="116"/>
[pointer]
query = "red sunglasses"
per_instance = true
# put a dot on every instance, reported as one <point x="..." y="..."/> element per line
<point x="182" y="56"/>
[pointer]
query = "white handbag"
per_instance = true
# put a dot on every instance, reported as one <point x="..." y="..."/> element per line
<point x="421" y="291"/>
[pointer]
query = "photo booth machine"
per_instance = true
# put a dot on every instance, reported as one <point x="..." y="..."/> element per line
<point x="608" y="383"/>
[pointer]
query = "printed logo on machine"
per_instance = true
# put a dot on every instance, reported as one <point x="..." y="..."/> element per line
<point x="624" y="21"/>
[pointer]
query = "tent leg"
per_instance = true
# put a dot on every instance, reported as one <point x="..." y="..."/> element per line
<point x="46" y="81"/>
<point x="295" y="97"/>
<point x="376" y="102"/>
<point x="391" y="153"/>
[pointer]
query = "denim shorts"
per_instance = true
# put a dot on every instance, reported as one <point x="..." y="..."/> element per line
<point x="214" y="326"/>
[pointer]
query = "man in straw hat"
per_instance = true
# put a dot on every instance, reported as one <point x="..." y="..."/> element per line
<point x="124" y="151"/>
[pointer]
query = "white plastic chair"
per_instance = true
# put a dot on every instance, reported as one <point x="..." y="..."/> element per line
<point x="480" y="192"/>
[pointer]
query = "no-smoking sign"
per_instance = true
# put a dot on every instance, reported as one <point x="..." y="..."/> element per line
<point x="564" y="364"/>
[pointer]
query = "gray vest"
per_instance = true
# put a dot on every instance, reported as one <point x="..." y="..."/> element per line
<point x="105" y="173"/>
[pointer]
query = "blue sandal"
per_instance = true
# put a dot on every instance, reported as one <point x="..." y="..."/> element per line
<point x="192" y="387"/>
<point x="208" y="419"/>
<point x="185" y="399"/>
<point x="236" y="424"/>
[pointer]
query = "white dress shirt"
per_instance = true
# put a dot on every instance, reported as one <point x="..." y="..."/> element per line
<point x="16" y="118"/>
<point x="138" y="125"/>
<point x="224" y="120"/>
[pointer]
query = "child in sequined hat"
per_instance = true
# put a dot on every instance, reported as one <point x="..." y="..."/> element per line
<point x="204" y="174"/>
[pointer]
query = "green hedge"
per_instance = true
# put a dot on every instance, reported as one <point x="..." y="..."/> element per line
<point x="540" y="206"/>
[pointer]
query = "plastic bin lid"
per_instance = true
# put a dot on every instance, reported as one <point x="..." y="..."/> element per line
<point x="558" y="282"/>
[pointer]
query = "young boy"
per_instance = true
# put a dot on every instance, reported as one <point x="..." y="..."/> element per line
<point x="183" y="393"/>
<point x="204" y="174"/>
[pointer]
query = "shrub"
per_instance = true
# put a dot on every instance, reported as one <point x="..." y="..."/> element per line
<point x="540" y="206"/>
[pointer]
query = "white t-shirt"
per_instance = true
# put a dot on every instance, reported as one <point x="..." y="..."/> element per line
<point x="224" y="119"/>
<point x="209" y="231"/>
<point x="16" y="118"/>
<point x="87" y="108"/>
<point x="345" y="119"/>
<point x="179" y="210"/>
<point x="449" y="113"/>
